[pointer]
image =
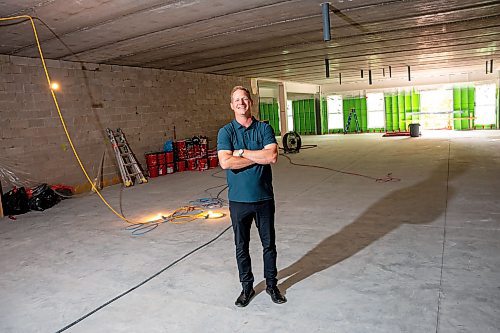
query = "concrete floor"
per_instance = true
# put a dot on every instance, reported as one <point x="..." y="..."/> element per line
<point x="354" y="255"/>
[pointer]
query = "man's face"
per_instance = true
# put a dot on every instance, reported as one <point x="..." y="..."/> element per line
<point x="241" y="103"/>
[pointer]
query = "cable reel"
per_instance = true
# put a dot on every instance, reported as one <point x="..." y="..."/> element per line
<point x="291" y="142"/>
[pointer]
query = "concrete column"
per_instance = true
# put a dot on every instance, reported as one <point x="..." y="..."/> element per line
<point x="282" y="99"/>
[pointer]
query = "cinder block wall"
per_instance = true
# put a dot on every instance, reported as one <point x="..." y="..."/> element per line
<point x="150" y="105"/>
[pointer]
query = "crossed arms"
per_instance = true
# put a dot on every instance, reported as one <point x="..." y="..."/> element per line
<point x="230" y="160"/>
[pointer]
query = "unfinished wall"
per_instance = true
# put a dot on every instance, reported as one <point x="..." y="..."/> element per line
<point x="146" y="103"/>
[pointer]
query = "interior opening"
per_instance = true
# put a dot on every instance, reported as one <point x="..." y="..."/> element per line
<point x="335" y="116"/>
<point x="436" y="109"/>
<point x="485" y="104"/>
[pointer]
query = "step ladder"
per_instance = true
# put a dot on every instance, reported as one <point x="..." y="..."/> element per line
<point x="352" y="114"/>
<point x="129" y="168"/>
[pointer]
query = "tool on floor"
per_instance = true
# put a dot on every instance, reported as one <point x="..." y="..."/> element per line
<point x="291" y="142"/>
<point x="129" y="168"/>
<point x="352" y="114"/>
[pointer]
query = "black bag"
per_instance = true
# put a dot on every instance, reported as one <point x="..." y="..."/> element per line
<point x="15" y="202"/>
<point x="43" y="198"/>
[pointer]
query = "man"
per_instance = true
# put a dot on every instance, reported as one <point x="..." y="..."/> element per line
<point x="246" y="149"/>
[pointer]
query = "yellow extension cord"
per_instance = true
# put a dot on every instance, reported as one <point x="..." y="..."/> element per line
<point x="62" y="118"/>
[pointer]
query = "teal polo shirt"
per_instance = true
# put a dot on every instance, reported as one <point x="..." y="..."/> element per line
<point x="255" y="182"/>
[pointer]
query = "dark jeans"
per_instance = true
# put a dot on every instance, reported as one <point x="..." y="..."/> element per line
<point x="242" y="215"/>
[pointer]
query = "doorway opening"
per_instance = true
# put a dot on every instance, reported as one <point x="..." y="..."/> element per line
<point x="436" y="107"/>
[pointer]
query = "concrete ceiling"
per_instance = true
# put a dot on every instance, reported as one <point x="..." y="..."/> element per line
<point x="278" y="39"/>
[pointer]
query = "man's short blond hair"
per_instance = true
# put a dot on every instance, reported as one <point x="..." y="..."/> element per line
<point x="240" y="88"/>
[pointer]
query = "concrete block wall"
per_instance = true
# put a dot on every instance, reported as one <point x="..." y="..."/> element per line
<point x="150" y="105"/>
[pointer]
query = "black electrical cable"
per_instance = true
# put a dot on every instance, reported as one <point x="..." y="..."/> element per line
<point x="218" y="194"/>
<point x="14" y="23"/>
<point x="143" y="282"/>
<point x="217" y="172"/>
<point x="59" y="39"/>
<point x="148" y="226"/>
<point x="303" y="147"/>
<point x="152" y="276"/>
<point x="385" y="179"/>
<point x="140" y="229"/>
<point x="213" y="187"/>
<point x="308" y="146"/>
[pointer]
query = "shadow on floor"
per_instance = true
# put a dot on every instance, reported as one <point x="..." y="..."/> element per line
<point x="421" y="203"/>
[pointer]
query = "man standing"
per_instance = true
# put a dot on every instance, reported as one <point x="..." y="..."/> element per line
<point x="246" y="149"/>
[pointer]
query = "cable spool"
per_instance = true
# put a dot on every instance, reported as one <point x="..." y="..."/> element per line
<point x="291" y="142"/>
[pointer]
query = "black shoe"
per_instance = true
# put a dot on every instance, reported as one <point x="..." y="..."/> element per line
<point x="275" y="294"/>
<point x="245" y="298"/>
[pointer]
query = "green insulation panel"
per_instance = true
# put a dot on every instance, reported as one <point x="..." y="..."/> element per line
<point x="415" y="106"/>
<point x="270" y="113"/>
<point x="312" y="117"/>
<point x="388" y="112"/>
<point x="324" y="116"/>
<point x="457" y="107"/>
<point x="463" y="107"/>
<point x="408" y="110"/>
<point x="295" y="113"/>
<point x="276" y="112"/>
<point x="401" y="111"/>
<point x="472" y="98"/>
<point x="395" y="113"/>
<point x="346" y="106"/>
<point x="359" y="105"/>
<point x="364" y="115"/>
<point x="304" y="116"/>
<point x="464" y="97"/>
<point x="309" y="110"/>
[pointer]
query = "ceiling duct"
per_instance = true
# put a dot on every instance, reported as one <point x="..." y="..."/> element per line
<point x="325" y="7"/>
